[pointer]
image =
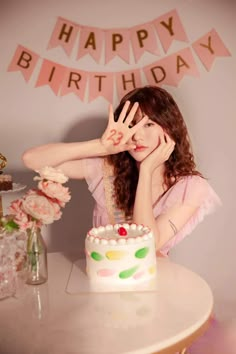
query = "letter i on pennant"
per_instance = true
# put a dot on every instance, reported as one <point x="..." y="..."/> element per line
<point x="51" y="74"/>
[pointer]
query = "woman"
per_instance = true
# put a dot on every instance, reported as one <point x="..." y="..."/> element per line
<point x="140" y="170"/>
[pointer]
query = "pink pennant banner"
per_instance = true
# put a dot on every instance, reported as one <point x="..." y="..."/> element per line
<point x="184" y="64"/>
<point x="24" y="60"/>
<point x="51" y="74"/>
<point x="169" y="28"/>
<point x="161" y="72"/>
<point x="117" y="44"/>
<point x="171" y="70"/>
<point x="91" y="42"/>
<point x="74" y="82"/>
<point x="127" y="81"/>
<point x="143" y="38"/>
<point x="209" y="47"/>
<point x="101" y="84"/>
<point x="64" y="35"/>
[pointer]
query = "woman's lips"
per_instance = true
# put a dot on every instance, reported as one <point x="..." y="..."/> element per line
<point x="140" y="148"/>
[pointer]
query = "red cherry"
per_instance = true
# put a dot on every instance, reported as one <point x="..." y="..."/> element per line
<point x="122" y="231"/>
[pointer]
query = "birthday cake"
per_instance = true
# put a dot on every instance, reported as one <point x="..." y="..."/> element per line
<point x="120" y="254"/>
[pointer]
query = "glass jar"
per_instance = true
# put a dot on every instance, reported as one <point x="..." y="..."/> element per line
<point x="36" y="262"/>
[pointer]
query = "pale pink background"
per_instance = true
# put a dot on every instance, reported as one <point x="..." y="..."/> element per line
<point x="31" y="116"/>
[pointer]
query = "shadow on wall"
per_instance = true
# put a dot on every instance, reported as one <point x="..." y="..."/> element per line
<point x="68" y="233"/>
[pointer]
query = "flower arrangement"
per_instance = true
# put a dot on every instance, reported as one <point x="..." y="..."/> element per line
<point x="38" y="207"/>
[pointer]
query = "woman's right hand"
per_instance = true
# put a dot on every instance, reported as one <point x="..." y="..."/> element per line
<point x="116" y="137"/>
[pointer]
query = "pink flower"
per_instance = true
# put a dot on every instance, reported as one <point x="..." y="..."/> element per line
<point x="15" y="207"/>
<point x="23" y="221"/>
<point x="39" y="207"/>
<point x="51" y="174"/>
<point x="19" y="215"/>
<point x="55" y="190"/>
<point x="57" y="210"/>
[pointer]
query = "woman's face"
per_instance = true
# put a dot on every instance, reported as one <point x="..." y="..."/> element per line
<point x="146" y="139"/>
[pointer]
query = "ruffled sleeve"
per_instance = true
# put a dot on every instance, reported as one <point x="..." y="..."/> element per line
<point x="193" y="191"/>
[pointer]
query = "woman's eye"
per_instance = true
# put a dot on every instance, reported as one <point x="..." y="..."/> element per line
<point x="147" y="125"/>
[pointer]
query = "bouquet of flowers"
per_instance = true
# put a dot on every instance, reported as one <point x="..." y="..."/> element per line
<point x="38" y="207"/>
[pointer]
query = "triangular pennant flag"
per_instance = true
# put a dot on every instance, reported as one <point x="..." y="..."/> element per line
<point x="24" y="60"/>
<point x="51" y="74"/>
<point x="169" y="28"/>
<point x="209" y="47"/>
<point x="64" y="35"/>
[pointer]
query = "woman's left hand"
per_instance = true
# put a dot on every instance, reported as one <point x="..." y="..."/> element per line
<point x="159" y="155"/>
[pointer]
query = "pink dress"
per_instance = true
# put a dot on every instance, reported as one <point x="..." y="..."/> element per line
<point x="190" y="190"/>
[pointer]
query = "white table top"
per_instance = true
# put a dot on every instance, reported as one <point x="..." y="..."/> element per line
<point x="45" y="319"/>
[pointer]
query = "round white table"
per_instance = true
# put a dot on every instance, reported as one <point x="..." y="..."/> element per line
<point x="46" y="319"/>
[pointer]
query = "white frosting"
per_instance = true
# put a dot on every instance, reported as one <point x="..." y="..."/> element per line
<point x="120" y="254"/>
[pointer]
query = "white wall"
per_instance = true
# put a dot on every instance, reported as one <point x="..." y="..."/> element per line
<point x="31" y="116"/>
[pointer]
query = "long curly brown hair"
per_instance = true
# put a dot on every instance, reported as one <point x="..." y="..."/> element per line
<point x="160" y="107"/>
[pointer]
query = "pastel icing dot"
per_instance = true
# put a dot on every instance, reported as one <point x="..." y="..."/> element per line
<point x="116" y="226"/>
<point x="112" y="242"/>
<point x="133" y="226"/>
<point x="109" y="227"/>
<point x="142" y="252"/>
<point x="121" y="241"/>
<point x="126" y="226"/>
<point x="104" y="242"/>
<point x="128" y="272"/>
<point x="105" y="272"/>
<point x="152" y="269"/>
<point x="115" y="255"/>
<point x="94" y="231"/>
<point x="96" y="256"/>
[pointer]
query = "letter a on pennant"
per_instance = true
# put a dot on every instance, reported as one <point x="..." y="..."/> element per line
<point x="91" y="42"/>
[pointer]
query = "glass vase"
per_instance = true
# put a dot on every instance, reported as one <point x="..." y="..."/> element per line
<point x="37" y="271"/>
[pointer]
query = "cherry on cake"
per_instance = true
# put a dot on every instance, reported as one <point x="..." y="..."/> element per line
<point x="120" y="254"/>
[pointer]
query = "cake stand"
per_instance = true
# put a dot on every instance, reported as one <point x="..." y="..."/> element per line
<point x="16" y="187"/>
